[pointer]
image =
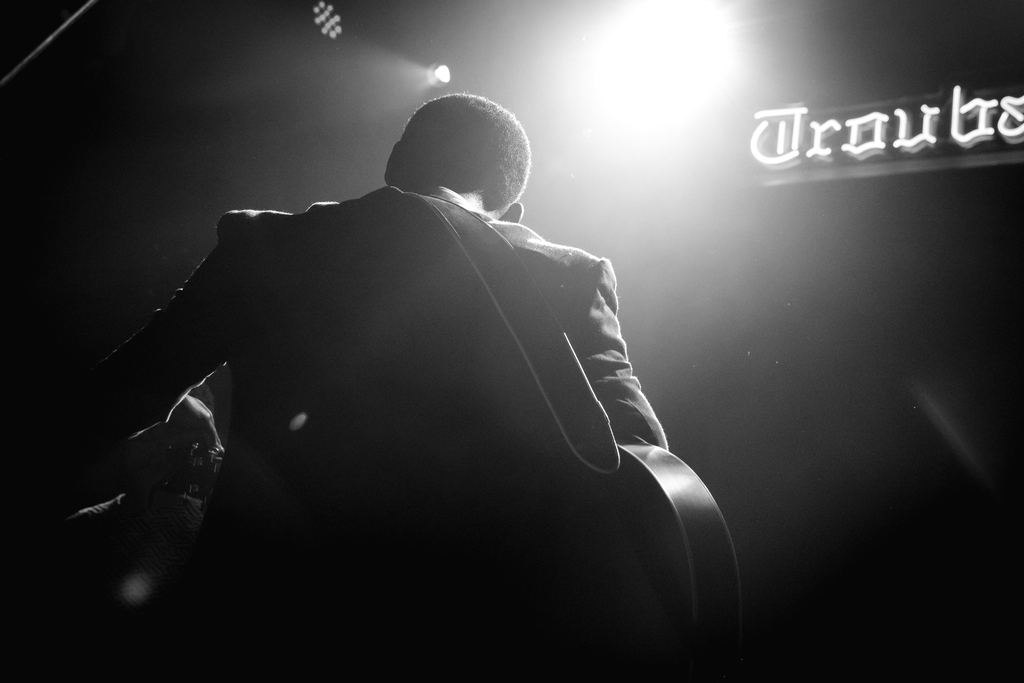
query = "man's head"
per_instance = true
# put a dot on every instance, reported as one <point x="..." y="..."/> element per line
<point x="465" y="143"/>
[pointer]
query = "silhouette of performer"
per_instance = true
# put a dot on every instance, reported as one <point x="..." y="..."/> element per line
<point x="392" y="466"/>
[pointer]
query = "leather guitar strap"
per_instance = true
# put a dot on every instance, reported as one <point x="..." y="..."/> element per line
<point x="546" y="349"/>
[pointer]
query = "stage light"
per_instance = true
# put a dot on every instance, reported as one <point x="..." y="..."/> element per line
<point x="327" y="20"/>
<point x="439" y="74"/>
<point x="663" y="57"/>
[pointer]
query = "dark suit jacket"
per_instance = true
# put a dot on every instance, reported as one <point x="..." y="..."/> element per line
<point x="378" y="400"/>
<point x="272" y="271"/>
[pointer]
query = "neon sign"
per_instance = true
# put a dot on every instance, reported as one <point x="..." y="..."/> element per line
<point x="779" y="140"/>
<point x="781" y="156"/>
<point x="925" y="137"/>
<point x="872" y="146"/>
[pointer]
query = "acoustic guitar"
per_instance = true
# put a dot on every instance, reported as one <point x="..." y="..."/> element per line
<point x="671" y="519"/>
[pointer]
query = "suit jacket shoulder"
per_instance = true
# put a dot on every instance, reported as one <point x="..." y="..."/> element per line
<point x="581" y="290"/>
<point x="248" y="224"/>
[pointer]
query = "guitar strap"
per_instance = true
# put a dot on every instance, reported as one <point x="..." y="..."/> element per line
<point x="540" y="338"/>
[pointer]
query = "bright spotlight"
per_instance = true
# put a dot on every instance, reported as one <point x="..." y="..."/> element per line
<point x="663" y="57"/>
<point x="438" y="74"/>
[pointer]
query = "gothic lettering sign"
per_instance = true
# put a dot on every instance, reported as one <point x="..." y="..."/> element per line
<point x="966" y="129"/>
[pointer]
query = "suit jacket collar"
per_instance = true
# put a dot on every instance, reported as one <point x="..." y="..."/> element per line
<point x="457" y="199"/>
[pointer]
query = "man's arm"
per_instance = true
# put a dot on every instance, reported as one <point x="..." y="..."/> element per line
<point x="581" y="291"/>
<point x="140" y="391"/>
<point x="602" y="353"/>
<point x="139" y="384"/>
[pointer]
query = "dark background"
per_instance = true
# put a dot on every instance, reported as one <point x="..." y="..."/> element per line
<point x="838" y="360"/>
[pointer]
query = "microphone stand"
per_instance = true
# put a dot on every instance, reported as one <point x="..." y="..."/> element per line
<point x="43" y="45"/>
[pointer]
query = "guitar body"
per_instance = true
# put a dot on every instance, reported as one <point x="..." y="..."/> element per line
<point x="683" y="545"/>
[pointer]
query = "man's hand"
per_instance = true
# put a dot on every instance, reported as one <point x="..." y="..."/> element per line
<point x="190" y="425"/>
<point x="192" y="422"/>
